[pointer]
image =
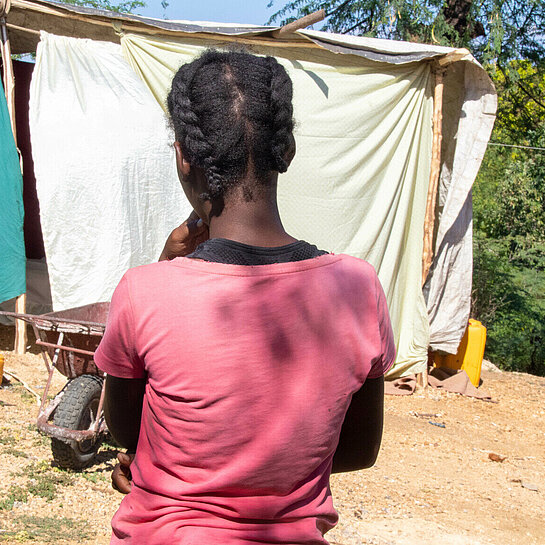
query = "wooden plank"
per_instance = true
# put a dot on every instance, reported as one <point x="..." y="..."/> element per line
<point x="21" y="337"/>
<point x="303" y="22"/>
<point x="453" y="56"/>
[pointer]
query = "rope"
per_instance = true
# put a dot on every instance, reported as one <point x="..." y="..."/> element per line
<point x="118" y="28"/>
<point x="515" y="146"/>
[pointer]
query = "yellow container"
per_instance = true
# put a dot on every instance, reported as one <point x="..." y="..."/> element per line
<point x="1" y="367"/>
<point x="470" y="353"/>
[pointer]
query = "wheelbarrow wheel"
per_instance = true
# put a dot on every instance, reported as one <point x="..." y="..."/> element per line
<point x="77" y="410"/>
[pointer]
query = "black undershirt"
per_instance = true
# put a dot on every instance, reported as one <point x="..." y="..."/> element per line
<point x="221" y="250"/>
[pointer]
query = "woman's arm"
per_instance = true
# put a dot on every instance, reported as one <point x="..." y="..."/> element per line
<point x="361" y="432"/>
<point x="123" y="400"/>
<point x="123" y="397"/>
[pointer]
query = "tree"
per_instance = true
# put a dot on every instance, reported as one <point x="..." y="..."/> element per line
<point x="509" y="230"/>
<point x="521" y="105"/>
<point x="494" y="30"/>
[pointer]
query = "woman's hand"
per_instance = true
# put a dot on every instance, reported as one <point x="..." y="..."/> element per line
<point x="121" y="475"/>
<point x="185" y="238"/>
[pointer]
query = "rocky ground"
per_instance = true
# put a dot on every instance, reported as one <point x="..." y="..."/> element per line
<point x="434" y="481"/>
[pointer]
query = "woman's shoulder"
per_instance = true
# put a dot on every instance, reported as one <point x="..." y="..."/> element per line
<point x="150" y="276"/>
<point x="358" y="264"/>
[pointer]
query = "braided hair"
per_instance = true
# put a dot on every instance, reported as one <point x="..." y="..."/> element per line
<point x="232" y="114"/>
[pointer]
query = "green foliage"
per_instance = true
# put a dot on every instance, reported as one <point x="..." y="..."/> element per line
<point x="521" y="106"/>
<point x="509" y="253"/>
<point x="43" y="480"/>
<point x="14" y="494"/>
<point x="495" y="30"/>
<point x="94" y="476"/>
<point x="509" y="300"/>
<point x="15" y="452"/>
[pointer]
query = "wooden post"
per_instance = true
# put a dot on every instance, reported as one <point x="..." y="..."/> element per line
<point x="435" y="169"/>
<point x="9" y="88"/>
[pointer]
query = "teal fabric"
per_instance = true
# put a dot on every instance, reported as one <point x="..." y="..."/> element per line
<point x="12" y="244"/>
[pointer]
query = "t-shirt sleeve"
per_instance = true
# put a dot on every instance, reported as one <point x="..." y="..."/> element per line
<point x="116" y="354"/>
<point x="388" y="350"/>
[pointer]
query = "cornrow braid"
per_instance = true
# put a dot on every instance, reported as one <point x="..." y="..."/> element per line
<point x="282" y="114"/>
<point x="187" y="128"/>
<point x="233" y="116"/>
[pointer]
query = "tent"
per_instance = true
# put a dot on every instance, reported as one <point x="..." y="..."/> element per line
<point x="372" y="176"/>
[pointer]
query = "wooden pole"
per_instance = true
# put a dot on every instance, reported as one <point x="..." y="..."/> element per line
<point x="307" y="20"/>
<point x="9" y="89"/>
<point x="435" y="170"/>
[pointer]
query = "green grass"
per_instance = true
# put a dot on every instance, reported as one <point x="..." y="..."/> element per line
<point x="7" y="440"/>
<point x="26" y="396"/>
<point x="14" y="494"/>
<point x="95" y="476"/>
<point x="43" y="480"/>
<point x="14" y="452"/>
<point x="39" y="439"/>
<point x="47" y="529"/>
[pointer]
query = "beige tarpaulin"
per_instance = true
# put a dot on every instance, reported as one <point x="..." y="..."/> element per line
<point x="359" y="180"/>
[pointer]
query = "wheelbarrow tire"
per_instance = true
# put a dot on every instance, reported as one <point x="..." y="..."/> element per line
<point x="77" y="410"/>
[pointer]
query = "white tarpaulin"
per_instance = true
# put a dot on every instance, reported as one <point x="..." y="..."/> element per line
<point x="105" y="172"/>
<point x="358" y="183"/>
<point x="322" y="64"/>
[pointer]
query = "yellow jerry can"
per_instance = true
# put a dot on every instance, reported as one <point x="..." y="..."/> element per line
<point x="470" y="353"/>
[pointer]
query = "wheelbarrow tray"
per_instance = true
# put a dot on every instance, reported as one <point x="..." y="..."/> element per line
<point x="82" y="329"/>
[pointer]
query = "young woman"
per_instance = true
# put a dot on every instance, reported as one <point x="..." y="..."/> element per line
<point x="245" y="372"/>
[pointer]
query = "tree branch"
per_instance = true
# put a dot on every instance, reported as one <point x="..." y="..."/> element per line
<point x="529" y="95"/>
<point x="354" y="27"/>
<point x="338" y="8"/>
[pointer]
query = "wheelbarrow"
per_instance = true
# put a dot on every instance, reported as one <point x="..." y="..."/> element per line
<point x="74" y="418"/>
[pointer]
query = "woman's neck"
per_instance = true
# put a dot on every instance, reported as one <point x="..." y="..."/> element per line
<point x="256" y="222"/>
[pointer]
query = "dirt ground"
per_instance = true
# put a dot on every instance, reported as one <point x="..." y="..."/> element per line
<point x="431" y="484"/>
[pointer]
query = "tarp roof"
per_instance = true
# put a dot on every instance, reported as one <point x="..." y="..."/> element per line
<point x="28" y="17"/>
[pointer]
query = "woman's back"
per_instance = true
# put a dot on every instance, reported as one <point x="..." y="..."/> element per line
<point x="250" y="372"/>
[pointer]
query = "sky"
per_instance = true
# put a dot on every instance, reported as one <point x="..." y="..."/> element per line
<point x="222" y="11"/>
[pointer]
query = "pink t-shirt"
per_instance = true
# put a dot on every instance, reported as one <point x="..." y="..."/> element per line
<point x="250" y="371"/>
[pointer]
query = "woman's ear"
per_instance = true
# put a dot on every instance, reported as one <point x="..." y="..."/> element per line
<point x="184" y="168"/>
<point x="290" y="153"/>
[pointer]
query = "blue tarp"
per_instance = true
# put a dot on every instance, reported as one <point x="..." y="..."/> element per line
<point x="12" y="245"/>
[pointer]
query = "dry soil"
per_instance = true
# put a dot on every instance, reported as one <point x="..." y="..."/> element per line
<point x="432" y="484"/>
